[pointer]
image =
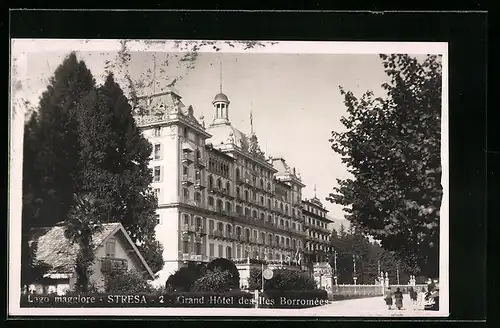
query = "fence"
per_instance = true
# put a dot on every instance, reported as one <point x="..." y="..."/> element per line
<point x="347" y="291"/>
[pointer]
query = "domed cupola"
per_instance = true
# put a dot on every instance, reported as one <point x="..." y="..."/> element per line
<point x="221" y="105"/>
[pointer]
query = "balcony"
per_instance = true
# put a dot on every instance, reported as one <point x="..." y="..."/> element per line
<point x="192" y="257"/>
<point x="200" y="163"/>
<point x="187" y="158"/>
<point x="113" y="265"/>
<point x="198" y="184"/>
<point x="186" y="180"/>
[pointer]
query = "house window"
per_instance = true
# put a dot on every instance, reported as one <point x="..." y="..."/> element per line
<point x="221" y="251"/>
<point x="237" y="192"/>
<point x="211" y="201"/>
<point x="238" y="252"/>
<point x="157" y="151"/>
<point x="238" y="209"/>
<point x="269" y="203"/>
<point x="197" y="196"/>
<point x="185" y="247"/>
<point x="228" y="206"/>
<point x="185" y="170"/>
<point x="186" y="219"/>
<point x="211" y="225"/>
<point x="254" y="194"/>
<point x="261" y="200"/>
<point x="111" y="247"/>
<point x="157" y="216"/>
<point x="157" y="194"/>
<point x="157" y="174"/>
<point x="211" y="249"/>
<point x="246" y="195"/>
<point x="157" y="131"/>
<point x="185" y="193"/>
<point x="228" y="252"/>
<point x="198" y="248"/>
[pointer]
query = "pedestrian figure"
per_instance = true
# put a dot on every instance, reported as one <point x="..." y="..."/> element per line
<point x="421" y="298"/>
<point x="398" y="296"/>
<point x="388" y="298"/>
<point x="413" y="297"/>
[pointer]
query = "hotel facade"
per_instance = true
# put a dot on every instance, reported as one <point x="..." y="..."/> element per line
<point x="220" y="196"/>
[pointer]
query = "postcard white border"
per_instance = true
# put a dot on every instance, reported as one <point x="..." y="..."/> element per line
<point x="21" y="47"/>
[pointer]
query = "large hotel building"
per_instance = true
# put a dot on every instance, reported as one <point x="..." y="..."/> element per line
<point x="220" y="196"/>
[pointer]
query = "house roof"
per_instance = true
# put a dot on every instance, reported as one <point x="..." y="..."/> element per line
<point x="55" y="250"/>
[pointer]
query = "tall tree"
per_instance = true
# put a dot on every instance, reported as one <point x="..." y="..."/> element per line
<point x="50" y="159"/>
<point x="115" y="159"/>
<point x="391" y="146"/>
<point x="56" y="161"/>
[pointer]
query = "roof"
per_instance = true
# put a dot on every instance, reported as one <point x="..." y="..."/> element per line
<point x="55" y="250"/>
<point x="227" y="134"/>
<point x="220" y="97"/>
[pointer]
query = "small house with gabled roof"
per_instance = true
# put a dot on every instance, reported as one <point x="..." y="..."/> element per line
<point x="114" y="251"/>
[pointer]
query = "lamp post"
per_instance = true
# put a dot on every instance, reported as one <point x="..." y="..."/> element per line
<point x="397" y="273"/>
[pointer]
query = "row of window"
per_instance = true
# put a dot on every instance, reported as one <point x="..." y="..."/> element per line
<point x="228" y="252"/>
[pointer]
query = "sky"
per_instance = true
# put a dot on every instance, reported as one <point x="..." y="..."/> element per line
<point x="294" y="98"/>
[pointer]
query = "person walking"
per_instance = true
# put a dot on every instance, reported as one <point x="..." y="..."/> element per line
<point x="388" y="298"/>
<point x="421" y="298"/>
<point x="413" y="297"/>
<point x="398" y="296"/>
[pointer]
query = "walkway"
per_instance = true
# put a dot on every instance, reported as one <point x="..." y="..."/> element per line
<point x="372" y="306"/>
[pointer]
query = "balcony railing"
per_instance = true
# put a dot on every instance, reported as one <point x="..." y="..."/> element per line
<point x="186" y="180"/>
<point x="109" y="265"/>
<point x="200" y="162"/>
<point x="198" y="184"/>
<point x="187" y="158"/>
<point x="192" y="257"/>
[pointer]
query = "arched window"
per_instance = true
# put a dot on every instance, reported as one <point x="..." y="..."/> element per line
<point x="261" y="183"/>
<point x="269" y="218"/>
<point x="261" y="200"/>
<point x="220" y="226"/>
<point x="268" y="186"/>
<point x="198" y="155"/>
<point x="238" y="231"/>
<point x="246" y="195"/>
<point x="229" y="229"/>
<point x="247" y="233"/>
<point x="210" y="182"/>
<point x="262" y="216"/>
<point x="254" y="213"/>
<point x="219" y="184"/>
<point x="281" y="207"/>
<point x="228" y="186"/>
<point x="237" y="174"/>
<point x="238" y="192"/>
<point x="269" y="203"/>
<point x="220" y="206"/>
<point x="286" y="209"/>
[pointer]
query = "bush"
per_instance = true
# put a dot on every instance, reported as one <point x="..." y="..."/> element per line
<point x="283" y="279"/>
<point x="130" y="282"/>
<point x="184" y="278"/>
<point x="213" y="281"/>
<point x="226" y="265"/>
